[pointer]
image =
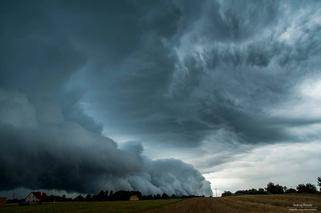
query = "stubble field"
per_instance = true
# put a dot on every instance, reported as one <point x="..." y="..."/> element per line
<point x="233" y="204"/>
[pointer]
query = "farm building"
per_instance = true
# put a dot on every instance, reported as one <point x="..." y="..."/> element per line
<point x="133" y="197"/>
<point x="35" y="197"/>
<point x="2" y="201"/>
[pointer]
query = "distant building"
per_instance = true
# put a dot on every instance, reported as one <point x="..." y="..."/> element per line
<point x="3" y="201"/>
<point x="133" y="197"/>
<point x="35" y="197"/>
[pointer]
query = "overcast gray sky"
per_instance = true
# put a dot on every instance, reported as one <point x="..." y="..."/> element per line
<point x="156" y="96"/>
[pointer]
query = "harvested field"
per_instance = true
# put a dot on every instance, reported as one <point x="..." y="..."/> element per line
<point x="89" y="207"/>
<point x="248" y="203"/>
<point x="233" y="204"/>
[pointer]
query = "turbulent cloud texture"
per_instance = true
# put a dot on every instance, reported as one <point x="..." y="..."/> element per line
<point x="52" y="153"/>
<point x="196" y="81"/>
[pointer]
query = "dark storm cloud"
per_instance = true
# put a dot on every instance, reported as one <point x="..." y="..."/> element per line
<point x="222" y="68"/>
<point x="43" y="151"/>
<point x="173" y="73"/>
<point x="44" y="44"/>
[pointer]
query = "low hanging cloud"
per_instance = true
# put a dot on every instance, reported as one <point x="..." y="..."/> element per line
<point x="50" y="153"/>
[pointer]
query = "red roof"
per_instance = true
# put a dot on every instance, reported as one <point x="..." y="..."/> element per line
<point x="39" y="195"/>
<point x="2" y="200"/>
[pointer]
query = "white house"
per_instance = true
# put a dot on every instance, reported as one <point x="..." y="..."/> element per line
<point x="35" y="197"/>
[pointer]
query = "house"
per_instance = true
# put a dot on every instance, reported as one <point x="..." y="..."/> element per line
<point x="35" y="197"/>
<point x="133" y="197"/>
<point x="3" y="201"/>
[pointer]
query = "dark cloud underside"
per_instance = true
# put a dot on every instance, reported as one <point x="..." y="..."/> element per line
<point x="170" y="74"/>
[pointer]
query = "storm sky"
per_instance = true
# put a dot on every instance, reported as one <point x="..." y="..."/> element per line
<point x="159" y="96"/>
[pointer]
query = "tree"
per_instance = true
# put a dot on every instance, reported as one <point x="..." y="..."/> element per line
<point x="290" y="190"/>
<point x="319" y="183"/>
<point x="88" y="197"/>
<point x="100" y="196"/>
<point x="226" y="193"/>
<point x="165" y="196"/>
<point x="310" y="188"/>
<point x="261" y="191"/>
<point x="307" y="188"/>
<point x="79" y="198"/>
<point x="274" y="189"/>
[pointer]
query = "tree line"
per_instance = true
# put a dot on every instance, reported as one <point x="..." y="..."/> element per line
<point x="107" y="196"/>
<point x="272" y="188"/>
<point x="125" y="195"/>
